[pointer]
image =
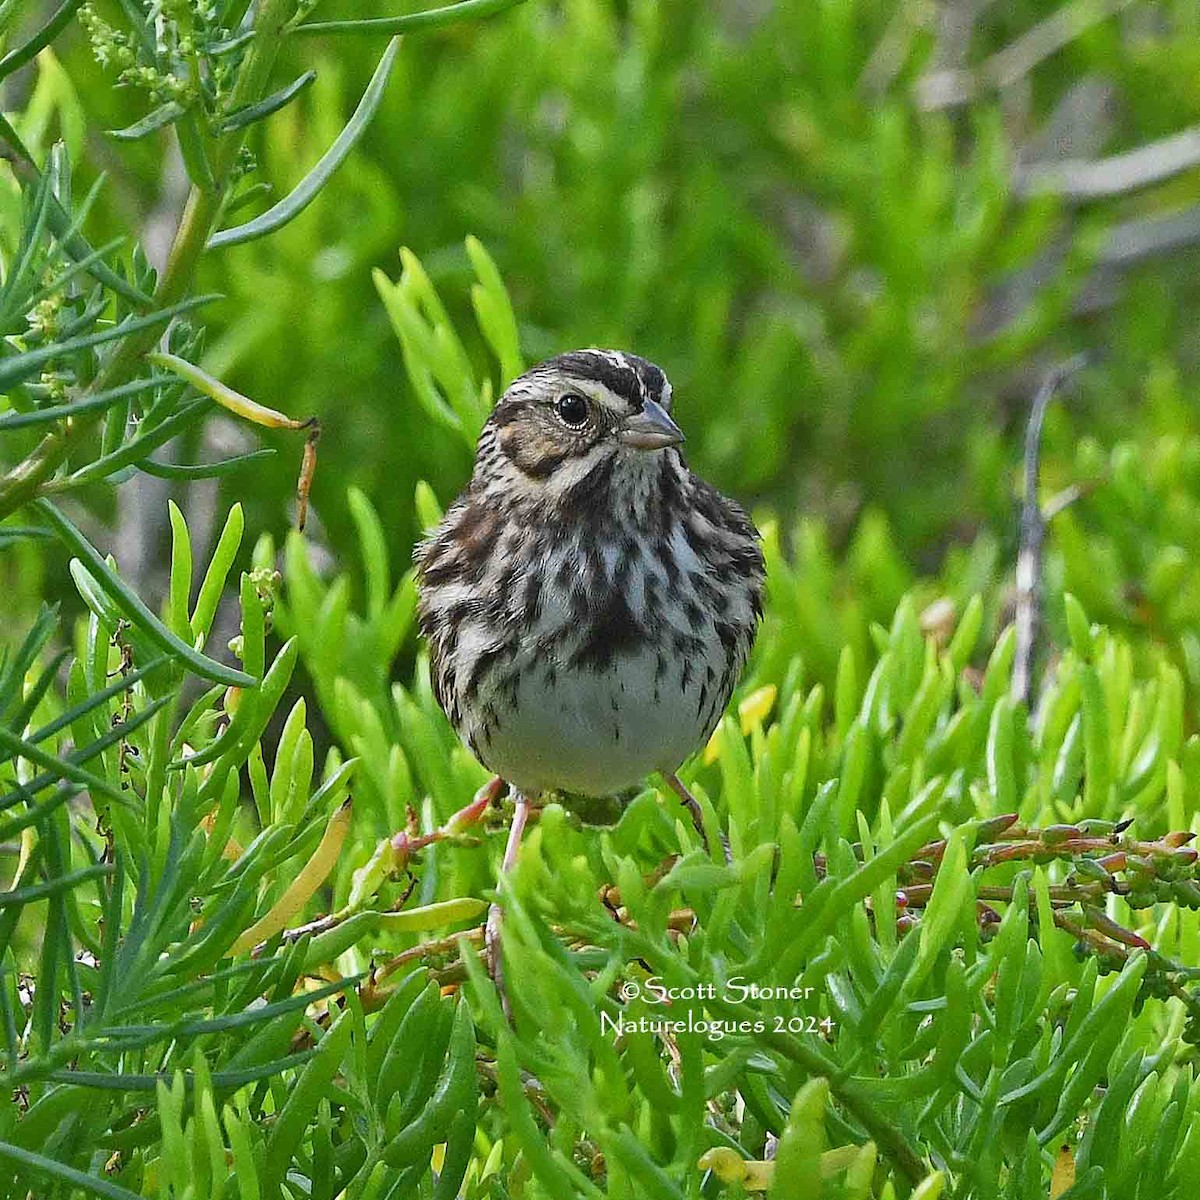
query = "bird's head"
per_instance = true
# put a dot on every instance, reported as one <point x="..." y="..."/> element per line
<point x="582" y="413"/>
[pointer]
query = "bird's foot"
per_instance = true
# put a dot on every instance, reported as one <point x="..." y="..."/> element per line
<point x="697" y="814"/>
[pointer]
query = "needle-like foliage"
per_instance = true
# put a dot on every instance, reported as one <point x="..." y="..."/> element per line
<point x="247" y="862"/>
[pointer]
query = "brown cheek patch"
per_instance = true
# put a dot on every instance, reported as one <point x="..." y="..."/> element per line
<point x="535" y="451"/>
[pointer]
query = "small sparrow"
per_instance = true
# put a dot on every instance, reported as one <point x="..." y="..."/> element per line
<point x="588" y="601"/>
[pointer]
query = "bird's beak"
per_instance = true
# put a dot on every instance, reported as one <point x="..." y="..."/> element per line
<point x="650" y="429"/>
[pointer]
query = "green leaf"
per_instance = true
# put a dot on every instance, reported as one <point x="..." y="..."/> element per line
<point x="20" y="367"/>
<point x="64" y="227"/>
<point x="846" y="693"/>
<point x="180" y="579"/>
<point x="11" y="534"/>
<point x="35" y="692"/>
<point x="305" y="1094"/>
<point x="54" y="887"/>
<point x="217" y="573"/>
<point x="966" y="636"/>
<point x="493" y="309"/>
<point x="214" y="470"/>
<point x="58" y="283"/>
<point x="411" y="330"/>
<point x="373" y="543"/>
<point x="560" y="1177"/>
<point x="164" y="115"/>
<point x="1078" y="628"/>
<point x="305" y="192"/>
<point x="129" y="1081"/>
<point x="1001" y="765"/>
<point x="434" y="18"/>
<point x="245" y="1168"/>
<point x="951" y="900"/>
<point x="82" y="754"/>
<point x="28" y="50"/>
<point x="12" y="678"/>
<point x="784" y="963"/>
<point x="61" y="1172"/>
<point x="801" y="1144"/>
<point x="61" y="768"/>
<point x="145" y="1035"/>
<point x="425" y="502"/>
<point x="416" y="1140"/>
<point x="254" y="710"/>
<point x="130" y="604"/>
<point x="75" y="408"/>
<point x="239" y="118"/>
<point x="1097" y="746"/>
<point x="135" y="450"/>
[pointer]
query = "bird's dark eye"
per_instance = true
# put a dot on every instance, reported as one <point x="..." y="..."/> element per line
<point x="572" y="408"/>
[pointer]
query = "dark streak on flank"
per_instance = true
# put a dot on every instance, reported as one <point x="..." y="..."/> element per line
<point x="479" y="668"/>
<point x="531" y="609"/>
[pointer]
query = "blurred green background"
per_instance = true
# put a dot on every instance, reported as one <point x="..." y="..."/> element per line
<point x="854" y="232"/>
<point x="857" y="234"/>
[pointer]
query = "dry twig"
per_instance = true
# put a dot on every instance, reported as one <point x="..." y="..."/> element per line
<point x="1033" y="531"/>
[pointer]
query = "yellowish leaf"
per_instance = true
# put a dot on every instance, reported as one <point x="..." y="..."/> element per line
<point x="752" y="712"/>
<point x="223" y="394"/>
<point x="304" y="886"/>
<point x="432" y="916"/>
<point x="756" y="707"/>
<point x="1063" y="1176"/>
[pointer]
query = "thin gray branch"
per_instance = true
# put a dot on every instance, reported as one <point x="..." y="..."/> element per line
<point x="948" y="88"/>
<point x="1047" y="38"/>
<point x="1084" y="179"/>
<point x="1133" y="242"/>
<point x="1080" y="125"/>
<point x="1033" y="531"/>
<point x="1125" y="246"/>
<point x="1063" y="500"/>
<point x="893" y="48"/>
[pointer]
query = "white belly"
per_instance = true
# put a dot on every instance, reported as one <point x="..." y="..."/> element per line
<point x="597" y="732"/>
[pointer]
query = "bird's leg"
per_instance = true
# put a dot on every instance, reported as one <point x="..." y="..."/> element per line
<point x="693" y="806"/>
<point x="495" y="915"/>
